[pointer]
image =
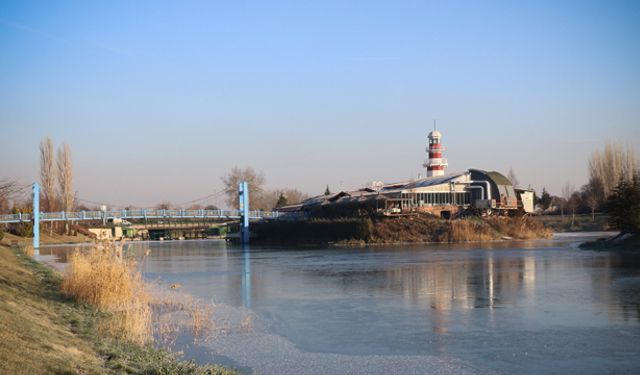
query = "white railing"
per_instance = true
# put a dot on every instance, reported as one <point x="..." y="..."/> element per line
<point x="137" y="214"/>
<point x="439" y="161"/>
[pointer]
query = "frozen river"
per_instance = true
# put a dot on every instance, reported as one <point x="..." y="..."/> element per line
<point x="504" y="307"/>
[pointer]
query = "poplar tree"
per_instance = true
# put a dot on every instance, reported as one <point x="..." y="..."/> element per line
<point x="65" y="179"/>
<point x="48" y="177"/>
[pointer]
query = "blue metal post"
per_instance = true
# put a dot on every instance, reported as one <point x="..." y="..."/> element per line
<point x="243" y="196"/>
<point x="246" y="277"/>
<point x="36" y="215"/>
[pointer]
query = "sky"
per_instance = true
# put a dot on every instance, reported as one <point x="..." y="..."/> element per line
<point x="159" y="99"/>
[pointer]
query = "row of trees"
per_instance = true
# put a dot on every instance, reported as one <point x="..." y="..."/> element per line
<point x="56" y="177"/>
<point x="610" y="169"/>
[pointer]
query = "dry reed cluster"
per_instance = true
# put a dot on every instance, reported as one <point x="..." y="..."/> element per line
<point x="28" y="250"/>
<point x="102" y="277"/>
<point x="179" y="312"/>
<point x="467" y="230"/>
<point x="423" y="228"/>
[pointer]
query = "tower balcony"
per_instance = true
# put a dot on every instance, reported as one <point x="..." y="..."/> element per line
<point x="435" y="148"/>
<point x="434" y="162"/>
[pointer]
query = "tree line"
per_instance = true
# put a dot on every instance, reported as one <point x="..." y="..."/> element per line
<point x="612" y="185"/>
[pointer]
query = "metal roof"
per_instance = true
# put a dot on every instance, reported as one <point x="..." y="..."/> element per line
<point x="430" y="181"/>
<point x="497" y="177"/>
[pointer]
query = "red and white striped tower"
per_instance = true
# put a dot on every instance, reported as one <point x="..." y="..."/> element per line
<point x="436" y="163"/>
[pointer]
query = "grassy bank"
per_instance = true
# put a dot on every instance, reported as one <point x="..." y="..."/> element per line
<point x="405" y="229"/>
<point x="581" y="223"/>
<point x="45" y="239"/>
<point x="44" y="331"/>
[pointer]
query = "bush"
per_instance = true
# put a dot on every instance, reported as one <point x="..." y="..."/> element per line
<point x="24" y="229"/>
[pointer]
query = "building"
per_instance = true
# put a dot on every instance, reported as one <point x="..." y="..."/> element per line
<point x="439" y="194"/>
<point x="447" y="195"/>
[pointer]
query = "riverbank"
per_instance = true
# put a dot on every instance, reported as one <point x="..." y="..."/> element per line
<point x="10" y="239"/>
<point x="42" y="331"/>
<point x="580" y="223"/>
<point x="397" y="230"/>
<point x="620" y="242"/>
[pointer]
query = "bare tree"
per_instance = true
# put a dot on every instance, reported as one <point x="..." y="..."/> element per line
<point x="7" y="189"/>
<point x="48" y="177"/>
<point x="166" y="205"/>
<point x="512" y="177"/>
<point x="65" y="177"/>
<point x="573" y="203"/>
<point x="253" y="178"/>
<point x="65" y="180"/>
<point x="567" y="191"/>
<point x="616" y="163"/>
<point x="272" y="198"/>
<point x="593" y="196"/>
<point x="48" y="174"/>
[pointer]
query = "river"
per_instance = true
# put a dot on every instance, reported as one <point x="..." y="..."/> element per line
<point x="526" y="307"/>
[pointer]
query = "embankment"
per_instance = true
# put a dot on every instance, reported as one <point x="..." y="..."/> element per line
<point x="46" y="238"/>
<point x="42" y="331"/>
<point x="579" y="223"/>
<point x="392" y="230"/>
<point x="620" y="242"/>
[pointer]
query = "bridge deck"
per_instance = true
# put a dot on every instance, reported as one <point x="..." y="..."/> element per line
<point x="137" y="214"/>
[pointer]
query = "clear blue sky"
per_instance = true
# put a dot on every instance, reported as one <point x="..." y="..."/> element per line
<point x="159" y="99"/>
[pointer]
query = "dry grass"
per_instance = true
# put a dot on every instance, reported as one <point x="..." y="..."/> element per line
<point x="423" y="228"/>
<point x="467" y="230"/>
<point x="28" y="250"/>
<point x="246" y="324"/>
<point x="522" y="228"/>
<point x="177" y="312"/>
<point x="201" y="319"/>
<point x="102" y="277"/>
<point x="39" y="332"/>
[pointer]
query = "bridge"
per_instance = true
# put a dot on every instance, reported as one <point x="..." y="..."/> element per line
<point x="243" y="214"/>
<point x="146" y="214"/>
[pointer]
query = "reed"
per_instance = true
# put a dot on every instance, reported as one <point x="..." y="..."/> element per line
<point x="467" y="230"/>
<point x="102" y="277"/>
<point x="28" y="250"/>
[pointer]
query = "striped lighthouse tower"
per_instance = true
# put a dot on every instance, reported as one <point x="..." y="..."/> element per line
<point x="436" y="163"/>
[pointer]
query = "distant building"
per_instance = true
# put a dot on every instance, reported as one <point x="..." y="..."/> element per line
<point x="437" y="194"/>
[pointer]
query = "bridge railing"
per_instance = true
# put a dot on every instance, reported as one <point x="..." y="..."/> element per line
<point x="137" y="214"/>
<point x="15" y="218"/>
